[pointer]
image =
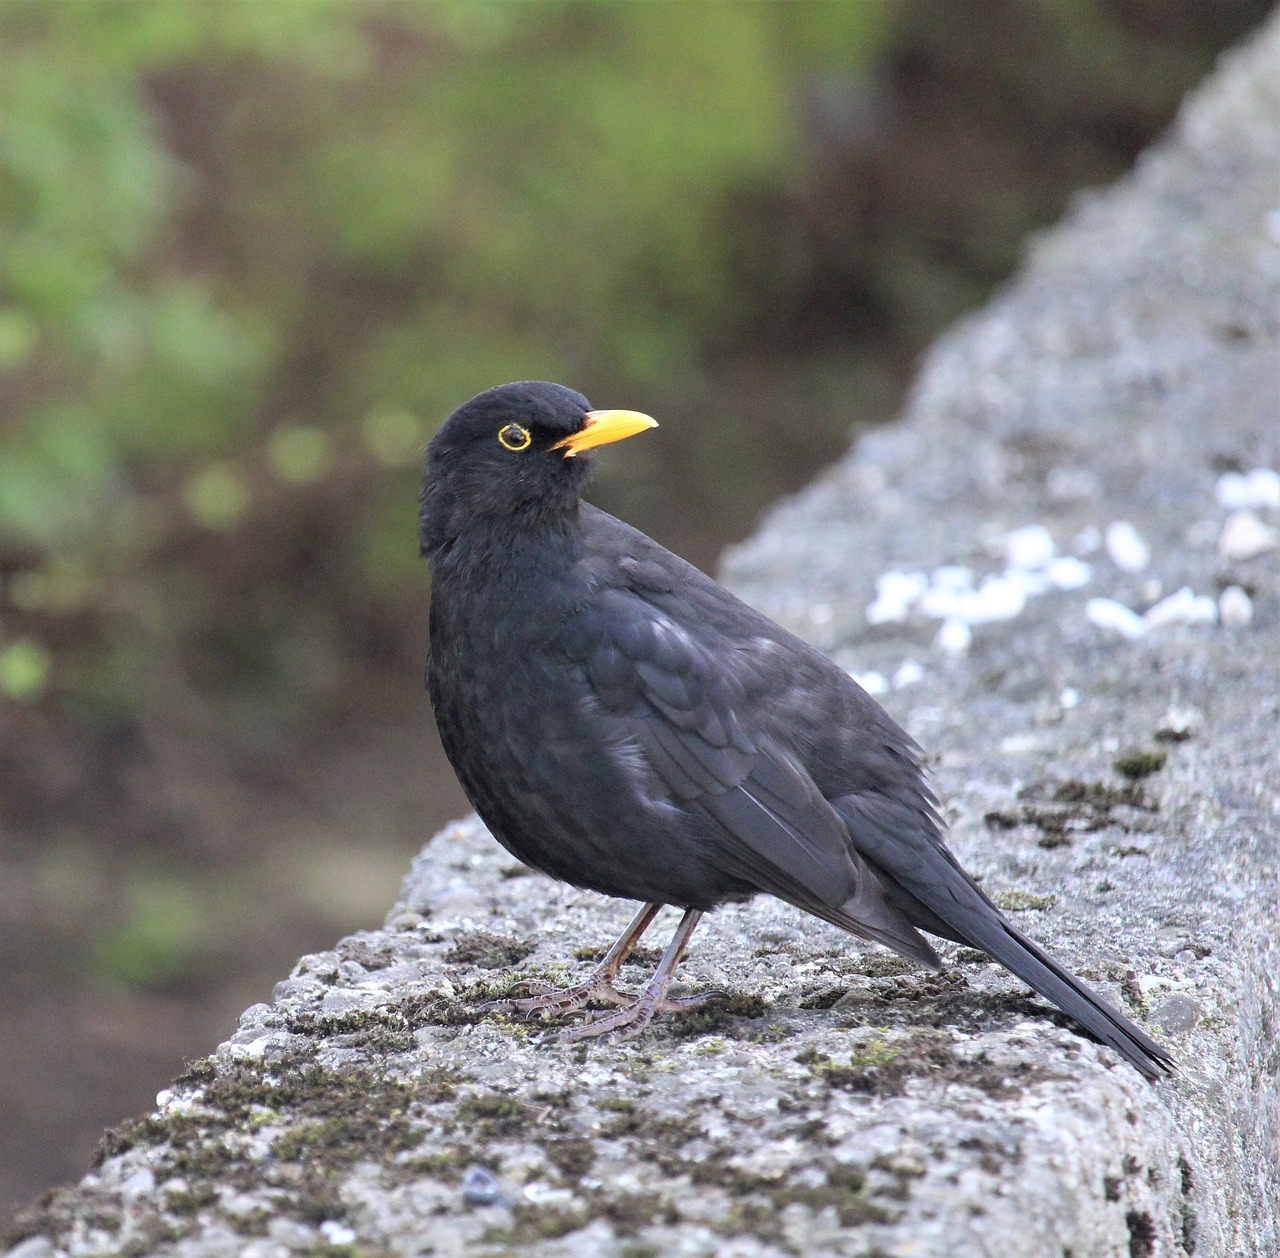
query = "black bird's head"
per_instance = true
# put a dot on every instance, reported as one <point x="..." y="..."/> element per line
<point x="515" y="450"/>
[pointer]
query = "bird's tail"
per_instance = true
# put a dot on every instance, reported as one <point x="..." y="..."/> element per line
<point x="924" y="882"/>
<point x="1025" y="958"/>
<point x="868" y="916"/>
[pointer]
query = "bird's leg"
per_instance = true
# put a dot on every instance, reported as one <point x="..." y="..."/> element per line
<point x="598" y="987"/>
<point x="635" y="1016"/>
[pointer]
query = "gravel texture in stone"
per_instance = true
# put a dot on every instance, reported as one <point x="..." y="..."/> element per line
<point x="1115" y="783"/>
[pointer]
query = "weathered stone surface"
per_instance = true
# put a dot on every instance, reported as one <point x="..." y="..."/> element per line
<point x="1120" y="796"/>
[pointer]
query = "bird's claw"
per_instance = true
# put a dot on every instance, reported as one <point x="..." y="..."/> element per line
<point x="673" y="1004"/>
<point x="549" y="1000"/>
<point x="628" y="1022"/>
<point x="623" y="1024"/>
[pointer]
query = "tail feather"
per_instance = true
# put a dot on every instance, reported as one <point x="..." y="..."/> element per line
<point x="885" y="928"/>
<point x="958" y="910"/>
<point x="1034" y="966"/>
<point x="925" y="884"/>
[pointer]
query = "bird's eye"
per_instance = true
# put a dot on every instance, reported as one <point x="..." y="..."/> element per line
<point x="513" y="437"/>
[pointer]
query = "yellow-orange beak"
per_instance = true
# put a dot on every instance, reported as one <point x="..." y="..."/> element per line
<point x="603" y="427"/>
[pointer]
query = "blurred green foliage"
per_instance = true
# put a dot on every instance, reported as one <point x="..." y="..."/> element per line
<point x="251" y="252"/>
<point x="250" y="248"/>
<point x="163" y="923"/>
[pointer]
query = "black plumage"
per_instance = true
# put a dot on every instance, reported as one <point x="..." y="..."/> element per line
<point x="623" y="723"/>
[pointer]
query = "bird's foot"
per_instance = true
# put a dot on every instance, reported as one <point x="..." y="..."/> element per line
<point x="626" y="1023"/>
<point x="552" y="1001"/>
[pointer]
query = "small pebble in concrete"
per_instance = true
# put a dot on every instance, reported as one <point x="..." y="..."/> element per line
<point x="1245" y="536"/>
<point x="907" y="674"/>
<point x="1185" y="607"/>
<point x="1068" y="573"/>
<point x="33" y="1247"/>
<point x="1031" y="546"/>
<point x="1106" y="613"/>
<point x="949" y="593"/>
<point x="872" y="682"/>
<point x="1235" y="608"/>
<point x="1071" y="484"/>
<point x="1176" y="1014"/>
<point x="1259" y="489"/>
<point x="1127" y="547"/>
<point x="951" y="576"/>
<point x="140" y="1184"/>
<point x="337" y="1233"/>
<point x="954" y="638"/>
<point x="896" y="593"/>
<point x="480" y="1187"/>
<point x="998" y="598"/>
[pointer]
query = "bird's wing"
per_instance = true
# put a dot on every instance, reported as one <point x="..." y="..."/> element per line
<point x="686" y="702"/>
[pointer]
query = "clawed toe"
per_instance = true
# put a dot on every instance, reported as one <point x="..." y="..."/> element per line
<point x="635" y="1013"/>
<point x="673" y="1004"/>
<point x="511" y="1003"/>
<point x="556" y="1000"/>
<point x="628" y="1022"/>
<point x="623" y="1024"/>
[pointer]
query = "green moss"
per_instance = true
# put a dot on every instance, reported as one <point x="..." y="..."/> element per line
<point x="1140" y="763"/>
<point x="1052" y="840"/>
<point x="823" y="997"/>
<point x="251" y="1224"/>
<point x="629" y="1212"/>
<point x="885" y="964"/>
<point x="1071" y="807"/>
<point x="340" y="1141"/>
<point x="658" y="1137"/>
<point x="1023" y="901"/>
<point x="492" y="1114"/>
<point x="336" y="1119"/>
<point x="386" y="1031"/>
<point x="717" y="1170"/>
<point x="531" y="1224"/>
<point x="371" y="956"/>
<point x="759" y="1200"/>
<point x="1103" y="796"/>
<point x="181" y="1203"/>
<point x="843" y="1191"/>
<point x="883" y="1066"/>
<point x="448" y="1165"/>
<point x="488" y="951"/>
<point x="560" y="1100"/>
<point x="572" y="1157"/>
<point x="723" y="1014"/>
<point x="154" y="1235"/>
<point x="638" y="956"/>
<point x="617" y="1105"/>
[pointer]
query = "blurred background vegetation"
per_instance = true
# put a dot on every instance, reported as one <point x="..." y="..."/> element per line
<point x="252" y="253"/>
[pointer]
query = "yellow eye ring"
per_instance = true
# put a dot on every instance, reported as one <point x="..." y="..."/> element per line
<point x="513" y="437"/>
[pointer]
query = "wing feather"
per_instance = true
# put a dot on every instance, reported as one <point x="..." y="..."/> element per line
<point x="769" y="821"/>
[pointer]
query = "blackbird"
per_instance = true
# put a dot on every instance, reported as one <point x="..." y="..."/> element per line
<point x="621" y="722"/>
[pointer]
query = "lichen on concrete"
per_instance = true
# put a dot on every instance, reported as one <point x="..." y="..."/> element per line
<point x="1118" y="795"/>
